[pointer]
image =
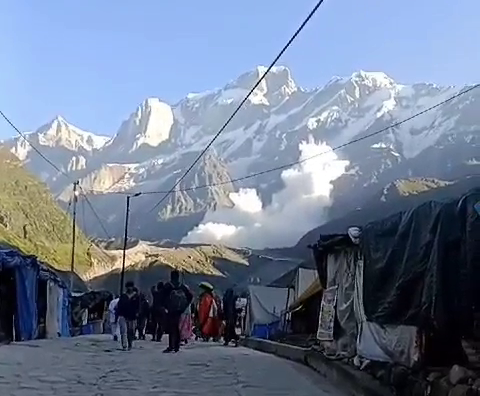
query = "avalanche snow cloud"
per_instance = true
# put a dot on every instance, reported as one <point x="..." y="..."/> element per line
<point x="295" y="210"/>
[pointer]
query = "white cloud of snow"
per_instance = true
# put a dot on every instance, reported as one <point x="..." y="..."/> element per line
<point x="295" y="210"/>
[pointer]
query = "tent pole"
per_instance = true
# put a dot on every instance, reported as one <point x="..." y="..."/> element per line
<point x="72" y="262"/>
<point x="286" y="309"/>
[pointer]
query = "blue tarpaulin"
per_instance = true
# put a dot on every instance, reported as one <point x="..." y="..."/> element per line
<point x="27" y="271"/>
<point x="26" y="278"/>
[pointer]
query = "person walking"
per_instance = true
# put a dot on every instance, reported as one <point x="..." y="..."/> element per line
<point x="186" y="324"/>
<point x="230" y="316"/>
<point x="127" y="314"/>
<point x="142" y="316"/>
<point x="112" y="316"/>
<point x="158" y="312"/>
<point x="208" y="314"/>
<point x="177" y="297"/>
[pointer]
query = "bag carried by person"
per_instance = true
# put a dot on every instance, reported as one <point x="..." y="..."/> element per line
<point x="178" y="302"/>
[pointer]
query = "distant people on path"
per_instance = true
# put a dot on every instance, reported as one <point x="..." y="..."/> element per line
<point x="208" y="314"/>
<point x="230" y="317"/>
<point x="186" y="324"/>
<point x="127" y="313"/>
<point x="177" y="297"/>
<point x="241" y="305"/>
<point x="158" y="312"/>
<point x="112" y="316"/>
<point x="143" y="313"/>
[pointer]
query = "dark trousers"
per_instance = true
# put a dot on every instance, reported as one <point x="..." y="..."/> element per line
<point x="141" y="323"/>
<point x="158" y="326"/>
<point x="174" y="331"/>
<point x="230" y="333"/>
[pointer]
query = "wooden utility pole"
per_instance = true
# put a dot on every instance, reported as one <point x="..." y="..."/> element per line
<point x="74" y="226"/>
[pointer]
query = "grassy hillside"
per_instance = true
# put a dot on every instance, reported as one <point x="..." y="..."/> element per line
<point x="31" y="221"/>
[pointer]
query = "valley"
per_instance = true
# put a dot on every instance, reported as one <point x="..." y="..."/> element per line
<point x="218" y="204"/>
<point x="158" y="141"/>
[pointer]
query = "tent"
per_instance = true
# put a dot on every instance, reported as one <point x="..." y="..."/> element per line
<point x="264" y="310"/>
<point x="20" y="276"/>
<point x="314" y="288"/>
<point x="421" y="270"/>
<point x="298" y="279"/>
<point x="88" y="311"/>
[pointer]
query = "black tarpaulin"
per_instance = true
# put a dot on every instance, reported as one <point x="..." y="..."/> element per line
<point x="421" y="266"/>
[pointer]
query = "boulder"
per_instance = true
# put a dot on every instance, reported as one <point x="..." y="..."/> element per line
<point x="440" y="387"/>
<point x="459" y="375"/>
<point x="462" y="390"/>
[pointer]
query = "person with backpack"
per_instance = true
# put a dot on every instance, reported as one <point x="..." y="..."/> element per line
<point x="177" y="297"/>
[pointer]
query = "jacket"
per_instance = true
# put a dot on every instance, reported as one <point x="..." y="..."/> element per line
<point x="128" y="307"/>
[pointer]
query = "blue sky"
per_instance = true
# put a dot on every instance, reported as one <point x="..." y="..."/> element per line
<point x="93" y="61"/>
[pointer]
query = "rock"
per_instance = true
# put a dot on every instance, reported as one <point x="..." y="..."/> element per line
<point x="383" y="376"/>
<point x="399" y="376"/>
<point x="459" y="375"/>
<point x="420" y="389"/>
<point x="435" y="375"/>
<point x="476" y="385"/>
<point x="440" y="387"/>
<point x="462" y="390"/>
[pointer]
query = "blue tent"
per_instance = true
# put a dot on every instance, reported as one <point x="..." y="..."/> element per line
<point x="28" y="271"/>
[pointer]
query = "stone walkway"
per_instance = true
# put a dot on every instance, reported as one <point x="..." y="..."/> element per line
<point x="93" y="365"/>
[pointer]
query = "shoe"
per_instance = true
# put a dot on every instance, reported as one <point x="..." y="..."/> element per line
<point x="124" y="348"/>
<point x="176" y="350"/>
<point x="168" y="350"/>
<point x="115" y="338"/>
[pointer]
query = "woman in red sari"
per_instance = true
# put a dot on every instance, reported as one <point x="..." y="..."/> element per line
<point x="208" y="318"/>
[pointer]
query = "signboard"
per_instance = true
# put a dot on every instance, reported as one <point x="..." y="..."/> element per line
<point x="326" y="319"/>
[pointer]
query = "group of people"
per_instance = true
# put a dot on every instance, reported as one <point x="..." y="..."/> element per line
<point x="173" y="311"/>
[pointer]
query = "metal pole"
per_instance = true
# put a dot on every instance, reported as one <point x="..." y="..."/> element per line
<point x="72" y="262"/>
<point x="125" y="236"/>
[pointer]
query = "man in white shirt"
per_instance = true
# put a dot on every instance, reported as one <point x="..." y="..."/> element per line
<point x="111" y="314"/>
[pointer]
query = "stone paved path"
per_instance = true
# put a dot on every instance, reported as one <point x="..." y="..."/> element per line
<point x="93" y="365"/>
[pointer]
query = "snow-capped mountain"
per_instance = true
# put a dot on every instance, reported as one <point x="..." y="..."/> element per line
<point x="158" y="141"/>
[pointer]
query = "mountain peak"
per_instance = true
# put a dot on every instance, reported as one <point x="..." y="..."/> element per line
<point x="374" y="79"/>
<point x="59" y="132"/>
<point x="59" y="118"/>
<point x="150" y="124"/>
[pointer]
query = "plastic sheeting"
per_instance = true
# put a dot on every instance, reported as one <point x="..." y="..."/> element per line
<point x="52" y="323"/>
<point x="265" y="306"/>
<point x="27" y="271"/>
<point x="26" y="315"/>
<point x="422" y="266"/>
<point x="388" y="343"/>
<point x="341" y="266"/>
<point x="305" y="278"/>
<point x="65" y="325"/>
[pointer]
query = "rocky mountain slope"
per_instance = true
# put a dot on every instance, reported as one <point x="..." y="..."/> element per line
<point x="158" y="141"/>
<point x="398" y="196"/>
<point x="149" y="262"/>
<point x="31" y="220"/>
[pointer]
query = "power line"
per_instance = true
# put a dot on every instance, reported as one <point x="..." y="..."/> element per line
<point x="95" y="213"/>
<point x="290" y="164"/>
<point x="274" y="62"/>
<point x="84" y="223"/>
<point x="24" y="137"/>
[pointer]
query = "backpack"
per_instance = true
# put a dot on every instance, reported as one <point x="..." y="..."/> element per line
<point x="178" y="300"/>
